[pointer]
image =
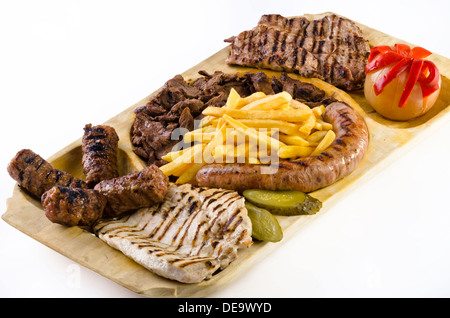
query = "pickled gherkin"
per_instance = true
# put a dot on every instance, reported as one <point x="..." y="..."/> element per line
<point x="283" y="202"/>
<point x="265" y="226"/>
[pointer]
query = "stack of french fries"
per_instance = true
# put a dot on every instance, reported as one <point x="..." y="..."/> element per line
<point x="256" y="129"/>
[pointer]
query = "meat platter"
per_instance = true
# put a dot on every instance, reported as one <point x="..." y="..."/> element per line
<point x="388" y="140"/>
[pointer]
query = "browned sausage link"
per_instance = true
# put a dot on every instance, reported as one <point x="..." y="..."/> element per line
<point x="303" y="174"/>
<point x="73" y="206"/>
<point x="99" y="146"/>
<point x="36" y="175"/>
<point x="134" y="190"/>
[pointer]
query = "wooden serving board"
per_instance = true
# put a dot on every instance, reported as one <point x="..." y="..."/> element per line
<point x="388" y="140"/>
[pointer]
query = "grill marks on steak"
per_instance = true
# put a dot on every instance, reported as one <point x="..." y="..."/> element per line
<point x="265" y="47"/>
<point x="179" y="103"/>
<point x="296" y="25"/>
<point x="332" y="48"/>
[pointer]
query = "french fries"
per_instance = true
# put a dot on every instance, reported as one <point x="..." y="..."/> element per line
<point x="269" y="102"/>
<point x="233" y="99"/>
<point x="249" y="99"/>
<point x="294" y="115"/>
<point x="325" y="143"/>
<point x="294" y="151"/>
<point x="254" y="129"/>
<point x="294" y="140"/>
<point x="191" y="155"/>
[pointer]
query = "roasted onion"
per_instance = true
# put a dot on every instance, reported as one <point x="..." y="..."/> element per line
<point x="400" y="84"/>
<point x="387" y="102"/>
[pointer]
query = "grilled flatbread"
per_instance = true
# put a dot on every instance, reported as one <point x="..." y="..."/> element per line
<point x="193" y="233"/>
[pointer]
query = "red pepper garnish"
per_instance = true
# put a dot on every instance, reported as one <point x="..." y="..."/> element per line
<point x="421" y="71"/>
<point x="414" y="73"/>
<point x="398" y="68"/>
<point x="430" y="82"/>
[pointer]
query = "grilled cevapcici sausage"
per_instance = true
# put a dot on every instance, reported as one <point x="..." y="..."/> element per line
<point x="73" y="206"/>
<point x="37" y="176"/>
<point x="99" y="146"/>
<point x="303" y="174"/>
<point x="134" y="190"/>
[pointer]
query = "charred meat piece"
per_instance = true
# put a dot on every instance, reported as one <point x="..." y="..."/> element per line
<point x="303" y="92"/>
<point x="191" y="235"/>
<point x="133" y="191"/>
<point x="151" y="138"/>
<point x="99" y="146"/>
<point x="217" y="84"/>
<point x="37" y="176"/>
<point x="259" y="82"/>
<point x="175" y="90"/>
<point x="332" y="48"/>
<point x="73" y="206"/>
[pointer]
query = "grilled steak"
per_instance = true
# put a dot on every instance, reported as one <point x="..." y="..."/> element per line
<point x="99" y="147"/>
<point x="296" y="25"/>
<point x="332" y="48"/>
<point x="265" y="47"/>
<point x="329" y="26"/>
<point x="73" y="206"/>
<point x="133" y="191"/>
<point x="190" y="235"/>
<point x="303" y="174"/>
<point x="37" y="176"/>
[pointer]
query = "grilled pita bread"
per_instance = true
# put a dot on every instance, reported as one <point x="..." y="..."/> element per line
<point x="193" y="233"/>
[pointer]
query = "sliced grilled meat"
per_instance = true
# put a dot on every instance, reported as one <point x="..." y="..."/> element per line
<point x="175" y="90"/>
<point x="304" y="92"/>
<point x="73" y="206"/>
<point x="336" y="50"/>
<point x="133" y="191"/>
<point x="259" y="82"/>
<point x="99" y="147"/>
<point x="218" y="83"/>
<point x="188" y="237"/>
<point x="37" y="176"/>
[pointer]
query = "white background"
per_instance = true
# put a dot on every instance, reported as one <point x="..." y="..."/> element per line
<point x="67" y="63"/>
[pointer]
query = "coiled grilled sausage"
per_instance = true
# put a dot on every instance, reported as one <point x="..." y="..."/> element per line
<point x="303" y="174"/>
